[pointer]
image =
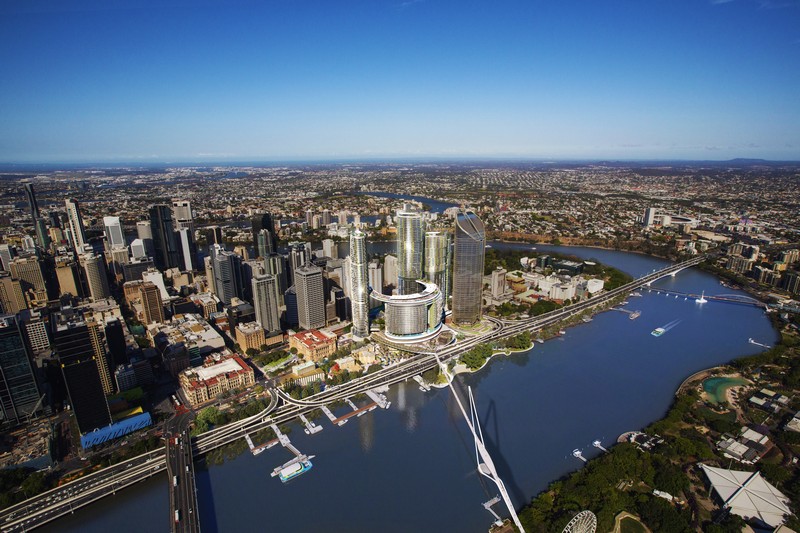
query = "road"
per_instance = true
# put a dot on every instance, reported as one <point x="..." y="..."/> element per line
<point x="65" y="499"/>
<point x="180" y="469"/>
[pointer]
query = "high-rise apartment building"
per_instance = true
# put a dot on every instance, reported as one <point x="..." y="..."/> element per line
<point x="359" y="298"/>
<point x="76" y="228"/>
<point x="390" y="270"/>
<point x="310" y="290"/>
<point x="19" y="394"/>
<point x="182" y="214"/>
<point x="468" y="263"/>
<point x="266" y="301"/>
<point x="410" y="248"/>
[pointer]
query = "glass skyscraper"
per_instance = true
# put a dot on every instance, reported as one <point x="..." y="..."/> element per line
<point x="410" y="247"/>
<point x="468" y="259"/>
<point x="360" y="291"/>
<point x="18" y="391"/>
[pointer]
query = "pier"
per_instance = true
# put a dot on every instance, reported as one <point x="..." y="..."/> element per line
<point x="379" y="399"/>
<point x="356" y="412"/>
<point x="424" y="387"/>
<point x="311" y="427"/>
<point x="332" y="417"/>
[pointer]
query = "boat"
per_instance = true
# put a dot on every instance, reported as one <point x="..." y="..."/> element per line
<point x="658" y="332"/>
<point x="290" y="472"/>
<point x="702" y="298"/>
<point x="624" y="302"/>
<point x="540" y="340"/>
<point x="635" y="315"/>
<point x="587" y="319"/>
<point x="562" y="332"/>
<point x="636" y="293"/>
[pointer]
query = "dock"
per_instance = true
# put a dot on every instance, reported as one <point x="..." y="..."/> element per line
<point x="379" y="399"/>
<point x="255" y="450"/>
<point x="357" y="412"/>
<point x="284" y="441"/>
<point x="422" y="385"/>
<point x="311" y="427"/>
<point x="331" y="416"/>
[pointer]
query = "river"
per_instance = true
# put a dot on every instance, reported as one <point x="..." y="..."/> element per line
<point x="412" y="468"/>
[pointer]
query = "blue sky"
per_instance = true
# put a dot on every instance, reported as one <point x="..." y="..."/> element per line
<point x="118" y="80"/>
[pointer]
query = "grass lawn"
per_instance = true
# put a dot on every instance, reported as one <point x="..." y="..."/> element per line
<point x="631" y="525"/>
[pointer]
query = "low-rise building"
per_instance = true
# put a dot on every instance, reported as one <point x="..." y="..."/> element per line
<point x="313" y="344"/>
<point x="303" y="374"/>
<point x="250" y="335"/>
<point x="197" y="335"/>
<point x="217" y="375"/>
<point x="769" y="401"/>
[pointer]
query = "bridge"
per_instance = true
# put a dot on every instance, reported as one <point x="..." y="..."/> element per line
<point x="740" y="299"/>
<point x="63" y="500"/>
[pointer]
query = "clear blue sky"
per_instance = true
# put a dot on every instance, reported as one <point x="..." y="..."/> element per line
<point x="200" y="80"/>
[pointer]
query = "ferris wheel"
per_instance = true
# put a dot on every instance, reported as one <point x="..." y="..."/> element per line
<point x="583" y="522"/>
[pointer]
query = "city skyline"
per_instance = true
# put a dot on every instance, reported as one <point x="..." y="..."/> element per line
<point x="689" y="80"/>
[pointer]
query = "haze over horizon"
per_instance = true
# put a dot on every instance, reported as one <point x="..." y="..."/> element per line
<point x="100" y="81"/>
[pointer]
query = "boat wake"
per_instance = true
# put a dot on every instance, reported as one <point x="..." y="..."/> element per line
<point x="671" y="325"/>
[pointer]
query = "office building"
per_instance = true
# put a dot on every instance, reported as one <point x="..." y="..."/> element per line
<point x="115" y="237"/>
<point x="75" y="351"/>
<point x="275" y="265"/>
<point x="290" y="301"/>
<point x="330" y="248"/>
<point x="266" y="302"/>
<point x="498" y="282"/>
<point x="7" y="253"/>
<point x="375" y="273"/>
<point x="309" y="286"/>
<point x="390" y="271"/>
<point x="188" y="249"/>
<point x="96" y="277"/>
<point x="217" y="375"/>
<point x="410" y="248"/>
<point x="182" y="214"/>
<point x="76" y="229"/>
<point x="12" y="299"/>
<point x="28" y="270"/>
<point x="19" y="394"/>
<point x="359" y="299"/>
<point x="227" y="267"/>
<point x="649" y="216"/>
<point x="468" y="263"/>
<point x="269" y="242"/>
<point x="152" y="304"/>
<point x="69" y="277"/>
<point x="166" y="252"/>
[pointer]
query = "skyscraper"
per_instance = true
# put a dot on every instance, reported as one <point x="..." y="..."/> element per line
<point x="19" y="394"/>
<point x="29" y="272"/>
<point x="152" y="304"/>
<point x="309" y="286"/>
<point x="188" y="249"/>
<point x="390" y="270"/>
<point x="32" y="203"/>
<point x="264" y="221"/>
<point x="75" y="351"/>
<point x="436" y="243"/>
<point x="375" y="275"/>
<point x="358" y="276"/>
<point x="166" y="253"/>
<point x="299" y="255"/>
<point x="264" y="243"/>
<point x="275" y="264"/>
<point x="114" y="234"/>
<point x="410" y="247"/>
<point x="96" y="276"/>
<point x="227" y="267"/>
<point x="76" y="229"/>
<point x="266" y="302"/>
<point x="330" y="248"/>
<point x="7" y="253"/>
<point x="468" y="259"/>
<point x="182" y="214"/>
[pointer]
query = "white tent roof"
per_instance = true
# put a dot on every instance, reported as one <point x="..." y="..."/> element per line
<point x="748" y="495"/>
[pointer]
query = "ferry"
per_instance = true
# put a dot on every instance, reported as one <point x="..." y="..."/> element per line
<point x="290" y="472"/>
<point x="658" y="332"/>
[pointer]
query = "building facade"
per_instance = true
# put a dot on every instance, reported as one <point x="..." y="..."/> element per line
<point x="468" y="263"/>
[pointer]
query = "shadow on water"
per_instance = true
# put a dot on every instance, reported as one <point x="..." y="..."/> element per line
<point x="490" y="430"/>
<point x="208" y="513"/>
<point x="491" y="439"/>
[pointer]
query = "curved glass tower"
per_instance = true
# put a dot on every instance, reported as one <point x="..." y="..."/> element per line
<point x="437" y="257"/>
<point x="358" y="277"/>
<point x="410" y="247"/>
<point x="468" y="257"/>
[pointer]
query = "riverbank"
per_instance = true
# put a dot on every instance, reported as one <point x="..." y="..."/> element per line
<point x="623" y="479"/>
